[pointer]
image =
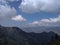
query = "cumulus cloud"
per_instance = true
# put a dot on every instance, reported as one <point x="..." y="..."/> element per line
<point x="12" y="0"/>
<point x="47" y="22"/>
<point x="7" y="12"/>
<point x="30" y="6"/>
<point x="18" y="18"/>
<point x="5" y="2"/>
<point x="8" y="0"/>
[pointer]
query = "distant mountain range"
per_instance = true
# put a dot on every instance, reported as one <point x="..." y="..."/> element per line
<point x="42" y="29"/>
<point x="16" y="36"/>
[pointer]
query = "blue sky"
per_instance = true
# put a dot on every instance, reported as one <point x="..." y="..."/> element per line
<point x="26" y="13"/>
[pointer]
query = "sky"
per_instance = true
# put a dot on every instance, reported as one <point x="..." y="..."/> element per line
<point x="30" y="13"/>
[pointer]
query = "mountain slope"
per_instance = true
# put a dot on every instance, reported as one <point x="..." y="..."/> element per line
<point x="55" y="42"/>
<point x="15" y="36"/>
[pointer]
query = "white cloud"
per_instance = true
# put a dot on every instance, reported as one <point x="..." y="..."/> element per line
<point x="47" y="22"/>
<point x="6" y="1"/>
<point x="6" y="12"/>
<point x="40" y="5"/>
<point x="3" y="2"/>
<point x="52" y="20"/>
<point x="12" y="0"/>
<point x="18" y="18"/>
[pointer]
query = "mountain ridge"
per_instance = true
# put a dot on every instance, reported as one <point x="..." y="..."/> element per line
<point x="16" y="36"/>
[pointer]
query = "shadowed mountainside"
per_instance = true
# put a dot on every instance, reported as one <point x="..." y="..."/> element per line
<point x="15" y="36"/>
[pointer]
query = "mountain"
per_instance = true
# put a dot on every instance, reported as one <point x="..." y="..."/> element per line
<point x="16" y="36"/>
<point x="40" y="29"/>
<point x="55" y="42"/>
